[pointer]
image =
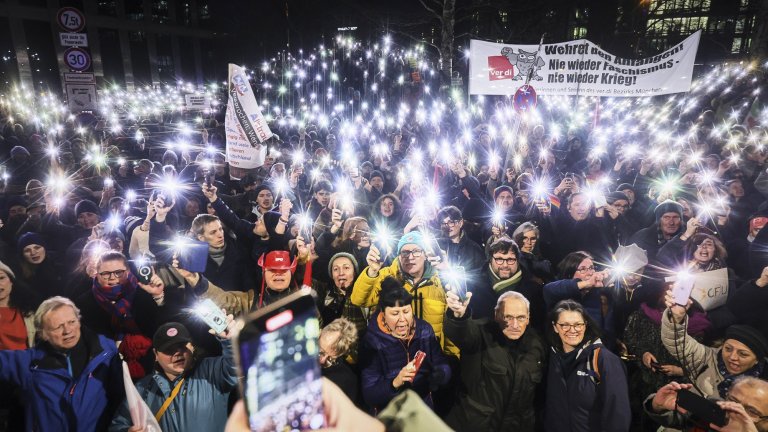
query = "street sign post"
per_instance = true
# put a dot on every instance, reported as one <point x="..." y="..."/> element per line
<point x="70" y="19"/>
<point x="77" y="59"/>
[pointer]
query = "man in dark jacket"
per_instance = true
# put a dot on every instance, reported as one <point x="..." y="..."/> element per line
<point x="461" y="250"/>
<point x="72" y="380"/>
<point x="669" y="223"/>
<point x="501" y="366"/>
<point x="504" y="273"/>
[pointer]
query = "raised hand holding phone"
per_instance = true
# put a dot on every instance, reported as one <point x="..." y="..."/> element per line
<point x="374" y="261"/>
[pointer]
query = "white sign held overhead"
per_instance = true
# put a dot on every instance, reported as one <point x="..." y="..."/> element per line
<point x="197" y="102"/>
<point x="81" y="97"/>
<point x="73" y="39"/>
<point x="580" y="68"/>
<point x="70" y="19"/>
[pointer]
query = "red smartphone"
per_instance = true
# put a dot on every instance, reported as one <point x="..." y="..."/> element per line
<point x="418" y="359"/>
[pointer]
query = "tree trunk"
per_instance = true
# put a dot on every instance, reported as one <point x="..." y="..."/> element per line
<point x="446" y="39"/>
<point x="760" y="41"/>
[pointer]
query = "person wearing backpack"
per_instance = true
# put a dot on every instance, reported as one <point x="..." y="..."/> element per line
<point x="586" y="384"/>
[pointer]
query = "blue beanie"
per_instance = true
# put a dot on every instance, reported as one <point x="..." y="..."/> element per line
<point x="30" y="238"/>
<point x="413" y="237"/>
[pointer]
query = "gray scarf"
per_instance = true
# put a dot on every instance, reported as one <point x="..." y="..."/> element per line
<point x="217" y="255"/>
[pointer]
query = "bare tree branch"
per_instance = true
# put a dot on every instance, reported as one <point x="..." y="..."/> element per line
<point x="437" y="14"/>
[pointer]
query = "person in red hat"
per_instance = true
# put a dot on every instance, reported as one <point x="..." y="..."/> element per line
<point x="278" y="282"/>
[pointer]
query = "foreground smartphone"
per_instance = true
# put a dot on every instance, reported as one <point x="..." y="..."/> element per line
<point x="277" y="352"/>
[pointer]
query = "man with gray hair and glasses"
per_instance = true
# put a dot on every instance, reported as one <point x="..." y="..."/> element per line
<point x="72" y="379"/>
<point x="745" y="406"/>
<point x="502" y="361"/>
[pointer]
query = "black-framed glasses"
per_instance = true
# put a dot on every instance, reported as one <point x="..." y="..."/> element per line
<point x="567" y="327"/>
<point x="508" y="261"/>
<point x="753" y="414"/>
<point x="108" y="274"/>
<point x="586" y="269"/>
<point x="450" y="223"/>
<point x="416" y="253"/>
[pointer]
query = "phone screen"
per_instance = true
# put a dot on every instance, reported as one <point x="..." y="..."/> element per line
<point x="681" y="290"/>
<point x="278" y="354"/>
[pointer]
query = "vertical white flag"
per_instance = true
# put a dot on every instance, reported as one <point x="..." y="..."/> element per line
<point x="140" y="412"/>
<point x="245" y="126"/>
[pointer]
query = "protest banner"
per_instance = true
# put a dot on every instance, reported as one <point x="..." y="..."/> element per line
<point x="579" y="68"/>
<point x="710" y="289"/>
<point x="245" y="126"/>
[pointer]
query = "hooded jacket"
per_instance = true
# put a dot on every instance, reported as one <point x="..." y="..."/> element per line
<point x="54" y="400"/>
<point x="200" y="405"/>
<point x="382" y="356"/>
<point x="577" y="403"/>
<point x="499" y="376"/>
<point x="428" y="297"/>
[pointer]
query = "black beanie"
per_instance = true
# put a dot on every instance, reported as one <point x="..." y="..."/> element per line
<point x="668" y="206"/>
<point x="500" y="189"/>
<point x="616" y="196"/>
<point x="86" y="206"/>
<point x="751" y="337"/>
<point x="625" y="186"/>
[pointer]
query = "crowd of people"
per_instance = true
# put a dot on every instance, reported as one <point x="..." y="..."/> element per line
<point x="514" y="278"/>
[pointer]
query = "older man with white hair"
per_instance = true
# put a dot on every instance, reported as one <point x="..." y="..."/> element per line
<point x="501" y="365"/>
<point x="72" y="380"/>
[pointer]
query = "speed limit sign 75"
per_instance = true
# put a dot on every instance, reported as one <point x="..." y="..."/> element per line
<point x="71" y="19"/>
<point x="77" y="59"/>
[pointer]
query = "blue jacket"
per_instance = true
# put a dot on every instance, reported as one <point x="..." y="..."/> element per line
<point x="383" y="355"/>
<point x="577" y="403"/>
<point x="201" y="405"/>
<point x="53" y="400"/>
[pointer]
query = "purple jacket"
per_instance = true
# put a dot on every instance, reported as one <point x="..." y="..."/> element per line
<point x="382" y="356"/>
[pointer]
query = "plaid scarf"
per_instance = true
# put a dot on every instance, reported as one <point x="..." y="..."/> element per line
<point x="117" y="301"/>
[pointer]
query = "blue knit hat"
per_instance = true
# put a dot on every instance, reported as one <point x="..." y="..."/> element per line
<point x="30" y="238"/>
<point x="413" y="237"/>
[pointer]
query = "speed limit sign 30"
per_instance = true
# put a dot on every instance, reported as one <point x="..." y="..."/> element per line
<point x="77" y="59"/>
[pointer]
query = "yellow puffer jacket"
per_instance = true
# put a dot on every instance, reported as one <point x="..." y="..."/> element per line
<point x="431" y="308"/>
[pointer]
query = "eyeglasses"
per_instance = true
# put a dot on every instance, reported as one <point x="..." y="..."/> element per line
<point x="567" y="327"/>
<point x="508" y="261"/>
<point x="416" y="253"/>
<point x="520" y="319"/>
<point x="108" y="274"/>
<point x="586" y="269"/>
<point x="751" y="412"/>
<point x="330" y="360"/>
<point x="450" y="223"/>
<point x="532" y="239"/>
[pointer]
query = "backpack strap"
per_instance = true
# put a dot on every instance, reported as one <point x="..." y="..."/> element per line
<point x="592" y="366"/>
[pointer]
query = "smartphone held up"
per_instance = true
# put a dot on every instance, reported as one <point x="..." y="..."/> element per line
<point x="277" y="351"/>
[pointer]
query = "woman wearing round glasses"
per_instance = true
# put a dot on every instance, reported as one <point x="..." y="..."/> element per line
<point x="580" y="281"/>
<point x="587" y="384"/>
<point x="121" y="308"/>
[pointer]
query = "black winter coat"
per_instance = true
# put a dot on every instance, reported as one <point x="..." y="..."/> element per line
<point x="576" y="403"/>
<point x="499" y="377"/>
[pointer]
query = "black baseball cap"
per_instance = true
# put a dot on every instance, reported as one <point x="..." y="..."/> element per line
<point x="169" y="335"/>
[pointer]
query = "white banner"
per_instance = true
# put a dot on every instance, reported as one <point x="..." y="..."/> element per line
<point x="244" y="125"/>
<point x="710" y="289"/>
<point x="579" y="68"/>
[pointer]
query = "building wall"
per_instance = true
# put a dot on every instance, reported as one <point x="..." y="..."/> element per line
<point x="132" y="42"/>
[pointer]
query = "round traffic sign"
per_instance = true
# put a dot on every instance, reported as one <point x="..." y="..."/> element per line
<point x="70" y="19"/>
<point x="525" y="98"/>
<point x="77" y="59"/>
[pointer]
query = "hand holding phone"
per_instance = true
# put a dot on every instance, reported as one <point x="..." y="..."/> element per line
<point x="702" y="409"/>
<point x="281" y="378"/>
<point x="212" y="315"/>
